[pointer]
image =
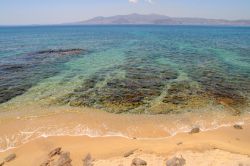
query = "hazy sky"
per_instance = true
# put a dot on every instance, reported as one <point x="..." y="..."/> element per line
<point x="61" y="11"/>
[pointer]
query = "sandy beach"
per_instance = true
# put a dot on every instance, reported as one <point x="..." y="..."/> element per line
<point x="147" y="141"/>
<point x="225" y="146"/>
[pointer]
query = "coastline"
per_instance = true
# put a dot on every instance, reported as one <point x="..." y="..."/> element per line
<point x="107" y="137"/>
<point x="226" y="143"/>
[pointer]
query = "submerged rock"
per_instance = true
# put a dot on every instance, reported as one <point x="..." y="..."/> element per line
<point x="238" y="127"/>
<point x="138" y="162"/>
<point x="22" y="72"/>
<point x="176" y="161"/>
<point x="62" y="51"/>
<point x="10" y="157"/>
<point x="127" y="87"/>
<point x="195" y="130"/>
<point x="227" y="87"/>
<point x="135" y="89"/>
<point x="12" y="67"/>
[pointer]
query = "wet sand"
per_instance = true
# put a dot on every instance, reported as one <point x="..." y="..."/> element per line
<point x="224" y="146"/>
<point x="107" y="137"/>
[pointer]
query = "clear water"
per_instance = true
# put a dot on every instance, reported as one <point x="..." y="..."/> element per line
<point x="137" y="69"/>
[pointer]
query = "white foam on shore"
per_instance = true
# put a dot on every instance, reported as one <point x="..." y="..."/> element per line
<point x="23" y="137"/>
<point x="187" y="129"/>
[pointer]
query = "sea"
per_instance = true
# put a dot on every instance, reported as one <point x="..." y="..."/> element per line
<point x="127" y="69"/>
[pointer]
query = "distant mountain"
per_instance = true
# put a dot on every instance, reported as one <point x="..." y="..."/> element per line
<point x="156" y="19"/>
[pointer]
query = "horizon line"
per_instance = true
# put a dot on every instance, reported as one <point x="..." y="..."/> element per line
<point x="78" y="22"/>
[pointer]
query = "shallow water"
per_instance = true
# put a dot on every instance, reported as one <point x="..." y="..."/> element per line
<point x="138" y="69"/>
<point x="192" y="76"/>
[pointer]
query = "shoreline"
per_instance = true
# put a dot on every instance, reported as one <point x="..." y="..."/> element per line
<point x="36" y="130"/>
<point x="29" y="123"/>
<point x="228" y="141"/>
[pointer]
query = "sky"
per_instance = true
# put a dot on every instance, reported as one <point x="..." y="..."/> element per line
<point x="22" y="12"/>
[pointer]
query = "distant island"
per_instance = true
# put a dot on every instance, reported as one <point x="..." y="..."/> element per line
<point x="156" y="19"/>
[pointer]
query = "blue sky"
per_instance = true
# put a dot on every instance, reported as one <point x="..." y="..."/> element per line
<point x="61" y="11"/>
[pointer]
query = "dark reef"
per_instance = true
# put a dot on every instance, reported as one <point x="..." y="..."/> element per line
<point x="21" y="72"/>
<point x="140" y="80"/>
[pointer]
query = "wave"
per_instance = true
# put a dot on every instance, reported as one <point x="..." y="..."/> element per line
<point x="27" y="135"/>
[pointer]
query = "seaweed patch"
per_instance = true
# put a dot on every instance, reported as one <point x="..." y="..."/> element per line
<point x="23" y="71"/>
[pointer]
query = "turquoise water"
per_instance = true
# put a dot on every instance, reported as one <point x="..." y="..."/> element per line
<point x="137" y="69"/>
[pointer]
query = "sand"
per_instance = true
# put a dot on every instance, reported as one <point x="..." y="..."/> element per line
<point x="219" y="146"/>
<point x="224" y="146"/>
